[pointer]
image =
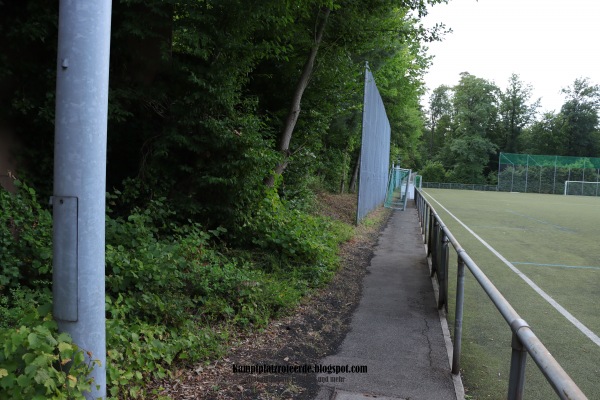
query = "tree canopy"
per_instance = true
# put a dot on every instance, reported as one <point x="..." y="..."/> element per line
<point x="225" y="118"/>
<point x="208" y="99"/>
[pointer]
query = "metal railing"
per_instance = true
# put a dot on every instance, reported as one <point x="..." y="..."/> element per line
<point x="460" y="186"/>
<point x="438" y="238"/>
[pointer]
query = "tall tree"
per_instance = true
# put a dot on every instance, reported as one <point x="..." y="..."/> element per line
<point x="200" y="92"/>
<point x="389" y="31"/>
<point x="294" y="111"/>
<point x="475" y="105"/>
<point x="440" y="106"/>
<point x="580" y="118"/>
<point x="544" y="136"/>
<point x="516" y="112"/>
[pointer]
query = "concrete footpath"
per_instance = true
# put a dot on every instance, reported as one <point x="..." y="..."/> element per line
<point x="396" y="330"/>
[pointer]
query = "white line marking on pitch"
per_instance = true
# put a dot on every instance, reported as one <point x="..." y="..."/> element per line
<point x="555" y="265"/>
<point x="584" y="329"/>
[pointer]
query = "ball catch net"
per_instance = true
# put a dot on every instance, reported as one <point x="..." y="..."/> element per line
<point x="529" y="173"/>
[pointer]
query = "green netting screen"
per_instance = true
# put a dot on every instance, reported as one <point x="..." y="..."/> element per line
<point x="545" y="174"/>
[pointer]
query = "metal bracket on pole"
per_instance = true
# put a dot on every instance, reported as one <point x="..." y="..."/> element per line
<point x="65" y="276"/>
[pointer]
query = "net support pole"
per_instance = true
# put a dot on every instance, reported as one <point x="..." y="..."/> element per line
<point x="80" y="179"/>
<point x="499" y="167"/>
<point x="583" y="177"/>
<point x="554" y="182"/>
<point x="526" y="173"/>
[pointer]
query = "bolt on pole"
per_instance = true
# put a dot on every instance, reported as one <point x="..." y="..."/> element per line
<point x="80" y="179"/>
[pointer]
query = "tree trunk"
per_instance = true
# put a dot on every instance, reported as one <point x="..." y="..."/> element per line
<point x="352" y="186"/>
<point x="344" y="174"/>
<point x="294" y="112"/>
<point x="432" y="138"/>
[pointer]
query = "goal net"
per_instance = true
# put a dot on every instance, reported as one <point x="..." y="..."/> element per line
<point x="398" y="187"/>
<point x="582" y="188"/>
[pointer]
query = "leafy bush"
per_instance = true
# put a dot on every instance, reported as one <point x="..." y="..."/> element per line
<point x="139" y="352"/>
<point x="168" y="288"/>
<point x="306" y="245"/>
<point x="36" y="362"/>
<point x="434" y="171"/>
<point x="172" y="285"/>
<point x="25" y="239"/>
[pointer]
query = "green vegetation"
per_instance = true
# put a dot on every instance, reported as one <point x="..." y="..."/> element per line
<point x="225" y="118"/>
<point x="526" y="228"/>
<point x="201" y="92"/>
<point x="172" y="291"/>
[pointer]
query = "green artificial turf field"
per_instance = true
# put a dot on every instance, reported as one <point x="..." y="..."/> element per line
<point x="555" y="241"/>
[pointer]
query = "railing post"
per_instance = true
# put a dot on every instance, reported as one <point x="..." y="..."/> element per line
<point x="434" y="247"/>
<point x="422" y="213"/>
<point x="419" y="208"/>
<point x="443" y="268"/>
<point x="425" y="223"/>
<point x="458" y="317"/>
<point x="516" y="381"/>
<point x="423" y="209"/>
<point x="431" y="234"/>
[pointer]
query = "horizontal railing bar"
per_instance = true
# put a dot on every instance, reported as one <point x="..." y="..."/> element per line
<point x="561" y="382"/>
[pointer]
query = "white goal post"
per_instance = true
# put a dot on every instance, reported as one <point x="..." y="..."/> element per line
<point x="582" y="188"/>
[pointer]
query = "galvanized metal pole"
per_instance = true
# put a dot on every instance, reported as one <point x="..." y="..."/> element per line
<point x="80" y="178"/>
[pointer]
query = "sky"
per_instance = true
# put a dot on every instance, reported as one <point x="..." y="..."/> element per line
<point x="548" y="43"/>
